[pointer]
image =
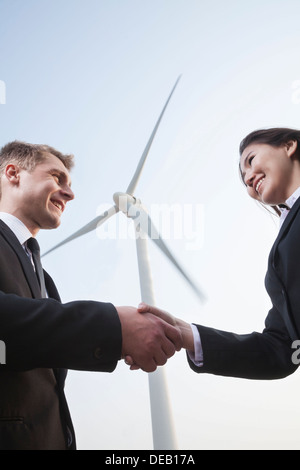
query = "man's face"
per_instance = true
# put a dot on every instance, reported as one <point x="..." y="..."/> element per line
<point x="43" y="193"/>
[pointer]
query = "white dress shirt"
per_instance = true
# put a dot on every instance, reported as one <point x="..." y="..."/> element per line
<point x="17" y="227"/>
<point x="197" y="356"/>
<point x="289" y="203"/>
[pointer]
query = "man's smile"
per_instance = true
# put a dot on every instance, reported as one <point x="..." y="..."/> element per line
<point x="58" y="204"/>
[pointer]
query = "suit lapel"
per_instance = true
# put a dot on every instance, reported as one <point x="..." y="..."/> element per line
<point x="23" y="258"/>
<point x="6" y="232"/>
<point x="286" y="224"/>
<point x="284" y="311"/>
<point x="51" y="287"/>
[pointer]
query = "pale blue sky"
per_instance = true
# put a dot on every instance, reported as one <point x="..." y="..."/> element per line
<point x="91" y="77"/>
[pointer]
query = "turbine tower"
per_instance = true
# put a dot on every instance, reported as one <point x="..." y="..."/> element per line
<point x="162" y="422"/>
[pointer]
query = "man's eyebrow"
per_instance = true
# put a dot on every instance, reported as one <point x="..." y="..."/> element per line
<point x="61" y="174"/>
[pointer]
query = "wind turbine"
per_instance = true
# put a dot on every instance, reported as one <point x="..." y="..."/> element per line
<point x="162" y="423"/>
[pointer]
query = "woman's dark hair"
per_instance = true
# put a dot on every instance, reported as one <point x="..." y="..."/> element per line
<point x="276" y="136"/>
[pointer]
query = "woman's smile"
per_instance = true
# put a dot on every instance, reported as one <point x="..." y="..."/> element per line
<point x="269" y="172"/>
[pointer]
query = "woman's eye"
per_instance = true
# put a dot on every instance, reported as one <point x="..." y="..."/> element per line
<point x="250" y="160"/>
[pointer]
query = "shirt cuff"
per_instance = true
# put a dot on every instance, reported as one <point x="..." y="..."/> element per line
<point x="196" y="356"/>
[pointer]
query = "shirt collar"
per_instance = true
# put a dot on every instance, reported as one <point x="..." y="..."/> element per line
<point x="17" y="227"/>
<point x="293" y="198"/>
<point x="289" y="204"/>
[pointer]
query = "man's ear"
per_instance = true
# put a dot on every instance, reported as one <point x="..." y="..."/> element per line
<point x="291" y="147"/>
<point x="12" y="173"/>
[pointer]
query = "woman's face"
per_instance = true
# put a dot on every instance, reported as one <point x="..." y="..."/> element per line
<point x="269" y="172"/>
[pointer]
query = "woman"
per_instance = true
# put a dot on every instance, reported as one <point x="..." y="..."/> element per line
<point x="270" y="169"/>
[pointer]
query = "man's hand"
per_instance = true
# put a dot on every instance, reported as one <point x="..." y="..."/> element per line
<point x="184" y="328"/>
<point x="147" y="339"/>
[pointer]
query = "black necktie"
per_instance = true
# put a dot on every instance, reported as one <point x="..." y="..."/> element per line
<point x="35" y="250"/>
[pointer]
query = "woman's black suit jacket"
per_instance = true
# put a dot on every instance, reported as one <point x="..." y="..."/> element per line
<point x="43" y="338"/>
<point x="266" y="355"/>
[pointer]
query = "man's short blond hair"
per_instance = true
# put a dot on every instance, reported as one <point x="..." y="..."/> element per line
<point x="28" y="156"/>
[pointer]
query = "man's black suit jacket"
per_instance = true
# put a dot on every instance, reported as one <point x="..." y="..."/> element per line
<point x="44" y="338"/>
<point x="266" y="355"/>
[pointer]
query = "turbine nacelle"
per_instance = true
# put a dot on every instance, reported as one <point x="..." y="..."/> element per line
<point x="126" y="203"/>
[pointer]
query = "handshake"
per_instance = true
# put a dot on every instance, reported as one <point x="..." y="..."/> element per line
<point x="151" y="336"/>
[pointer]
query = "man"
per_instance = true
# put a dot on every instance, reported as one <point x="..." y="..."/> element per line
<point x="43" y="337"/>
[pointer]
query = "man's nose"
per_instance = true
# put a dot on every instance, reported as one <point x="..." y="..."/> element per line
<point x="68" y="193"/>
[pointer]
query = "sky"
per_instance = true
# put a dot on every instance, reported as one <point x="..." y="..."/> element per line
<point x="91" y="78"/>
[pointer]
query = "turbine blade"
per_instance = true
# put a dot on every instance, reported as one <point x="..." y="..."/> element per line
<point x="99" y="220"/>
<point x="144" y="223"/>
<point x="138" y="171"/>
